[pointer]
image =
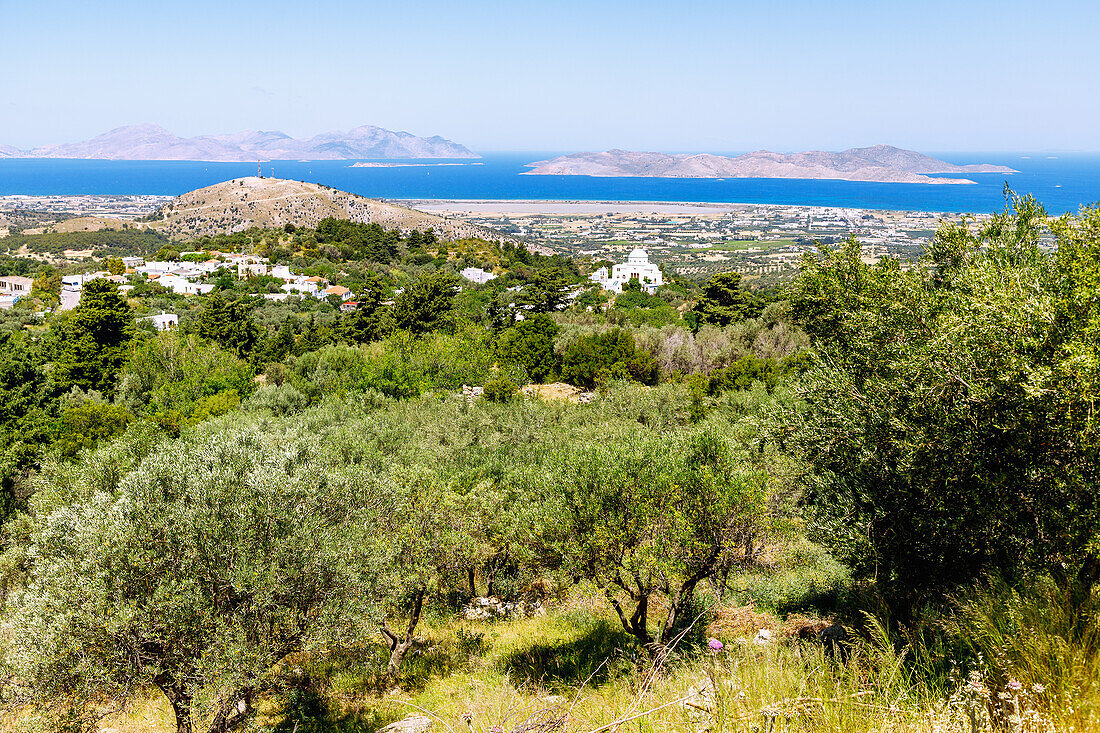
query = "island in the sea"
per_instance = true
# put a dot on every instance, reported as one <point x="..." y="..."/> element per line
<point x="878" y="163"/>
<point x="392" y="164"/>
<point x="153" y="142"/>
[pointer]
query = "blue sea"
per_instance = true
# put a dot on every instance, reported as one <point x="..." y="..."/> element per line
<point x="1061" y="182"/>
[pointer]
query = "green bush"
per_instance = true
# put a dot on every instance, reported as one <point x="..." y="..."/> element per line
<point x="399" y="366"/>
<point x="278" y="399"/>
<point x="804" y="577"/>
<point x="530" y="344"/>
<point x="742" y="373"/>
<point x="500" y="389"/>
<point x="85" y="425"/>
<point x="603" y="357"/>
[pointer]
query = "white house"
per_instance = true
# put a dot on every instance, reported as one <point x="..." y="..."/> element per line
<point x="155" y="266"/>
<point x="175" y="283"/>
<point x="477" y="275"/>
<point x="339" y="290"/>
<point x="16" y="285"/>
<point x="638" y="266"/>
<point x="72" y="282"/>
<point x="301" y="286"/>
<point x="200" y="288"/>
<point x="182" y="286"/>
<point x="164" y="321"/>
<point x="246" y="270"/>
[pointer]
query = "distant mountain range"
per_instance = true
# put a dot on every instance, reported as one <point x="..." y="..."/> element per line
<point x="879" y="163"/>
<point x="152" y="142"/>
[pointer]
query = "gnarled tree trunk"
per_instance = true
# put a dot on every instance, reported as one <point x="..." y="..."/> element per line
<point x="232" y="712"/>
<point x="399" y="645"/>
<point x="178" y="697"/>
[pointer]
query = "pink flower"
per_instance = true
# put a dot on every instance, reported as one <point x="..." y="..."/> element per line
<point x="714" y="645"/>
<point x="1015" y="686"/>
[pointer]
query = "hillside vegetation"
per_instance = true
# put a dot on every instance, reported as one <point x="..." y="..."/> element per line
<point x="864" y="503"/>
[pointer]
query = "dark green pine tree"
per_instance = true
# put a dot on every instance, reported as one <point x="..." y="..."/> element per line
<point x="92" y="340"/>
<point x="25" y="425"/>
<point x="545" y="293"/>
<point x="724" y="301"/>
<point x="228" y="324"/>
<point x="371" y="320"/>
<point x="426" y="304"/>
<point x="310" y="339"/>
<point x="278" y="345"/>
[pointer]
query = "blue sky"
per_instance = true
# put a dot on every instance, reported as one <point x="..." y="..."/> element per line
<point x="676" y="76"/>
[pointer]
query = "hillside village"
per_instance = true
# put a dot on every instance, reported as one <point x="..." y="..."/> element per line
<point x="192" y="276"/>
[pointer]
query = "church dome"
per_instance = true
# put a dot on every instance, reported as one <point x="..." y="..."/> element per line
<point x="638" y="255"/>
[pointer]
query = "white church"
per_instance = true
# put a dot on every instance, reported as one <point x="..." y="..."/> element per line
<point x="637" y="265"/>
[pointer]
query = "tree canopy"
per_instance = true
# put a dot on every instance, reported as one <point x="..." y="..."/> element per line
<point x="949" y="417"/>
<point x="426" y="304"/>
<point x="91" y="341"/>
<point x="723" y="301"/>
<point x="193" y="567"/>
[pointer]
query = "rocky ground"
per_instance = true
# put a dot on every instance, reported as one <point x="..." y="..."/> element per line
<point x="271" y="202"/>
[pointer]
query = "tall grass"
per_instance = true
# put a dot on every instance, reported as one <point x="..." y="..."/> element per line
<point x="573" y="667"/>
<point x="1028" y="650"/>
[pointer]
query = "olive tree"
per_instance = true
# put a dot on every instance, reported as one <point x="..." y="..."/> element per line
<point x="646" y="515"/>
<point x="196" y="570"/>
<point x="950" y="417"/>
<point x="417" y="549"/>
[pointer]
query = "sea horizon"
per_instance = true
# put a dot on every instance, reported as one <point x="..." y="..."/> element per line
<point x="1062" y="182"/>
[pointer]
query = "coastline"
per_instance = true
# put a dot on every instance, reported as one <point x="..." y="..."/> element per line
<point x="536" y="207"/>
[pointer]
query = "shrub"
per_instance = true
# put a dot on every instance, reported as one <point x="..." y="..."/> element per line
<point x="85" y="425"/>
<point x="530" y="343"/>
<point x="500" y="389"/>
<point x="278" y="399"/>
<point x="604" y="356"/>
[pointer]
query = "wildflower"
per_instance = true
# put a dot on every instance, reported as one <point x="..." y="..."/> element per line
<point x="714" y="645"/>
<point x="974" y="684"/>
<point x="1038" y="689"/>
<point x="1015" y="686"/>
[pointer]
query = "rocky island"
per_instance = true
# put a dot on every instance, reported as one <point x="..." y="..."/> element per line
<point x="878" y="163"/>
<point x="153" y="142"/>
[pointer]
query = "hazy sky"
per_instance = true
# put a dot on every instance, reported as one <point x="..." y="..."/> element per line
<point x="675" y="76"/>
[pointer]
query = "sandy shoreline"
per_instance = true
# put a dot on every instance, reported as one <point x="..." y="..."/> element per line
<point x="514" y="207"/>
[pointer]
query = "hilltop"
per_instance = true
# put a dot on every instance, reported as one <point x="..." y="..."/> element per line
<point x="153" y="142"/>
<point x="272" y="202"/>
<point x="879" y="163"/>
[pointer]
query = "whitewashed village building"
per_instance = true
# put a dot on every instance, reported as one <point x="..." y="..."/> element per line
<point x="477" y="275"/>
<point x="16" y="285"/>
<point x="638" y="266"/>
<point x="164" y="321"/>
